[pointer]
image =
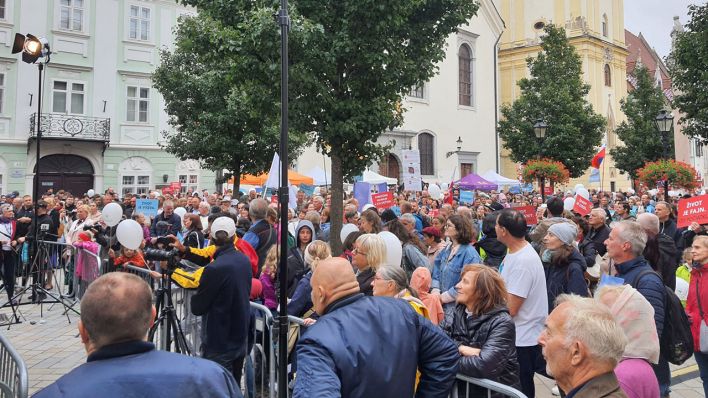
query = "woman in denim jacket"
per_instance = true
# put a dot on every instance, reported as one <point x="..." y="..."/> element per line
<point x="458" y="253"/>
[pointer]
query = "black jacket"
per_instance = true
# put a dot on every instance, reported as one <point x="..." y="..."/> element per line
<point x="598" y="238"/>
<point x="222" y="299"/>
<point x="47" y="228"/>
<point x="296" y="263"/>
<point x="669" y="229"/>
<point x="568" y="278"/>
<point x="495" y="251"/>
<point x="662" y="255"/>
<point x="366" y="280"/>
<point x="495" y="334"/>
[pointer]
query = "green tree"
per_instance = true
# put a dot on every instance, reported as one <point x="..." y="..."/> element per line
<point x="556" y="93"/>
<point x="350" y="68"/>
<point x="642" y="141"/>
<point x="688" y="64"/>
<point x="221" y="90"/>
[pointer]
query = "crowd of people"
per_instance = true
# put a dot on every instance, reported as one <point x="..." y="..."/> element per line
<point x="473" y="289"/>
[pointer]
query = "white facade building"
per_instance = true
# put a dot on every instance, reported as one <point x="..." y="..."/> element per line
<point x="459" y="102"/>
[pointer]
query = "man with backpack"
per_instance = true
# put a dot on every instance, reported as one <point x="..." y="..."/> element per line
<point x="625" y="246"/>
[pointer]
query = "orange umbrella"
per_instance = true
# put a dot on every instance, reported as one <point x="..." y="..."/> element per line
<point x="294" y="177"/>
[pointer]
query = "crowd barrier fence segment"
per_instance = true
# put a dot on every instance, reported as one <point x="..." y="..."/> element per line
<point x="13" y="372"/>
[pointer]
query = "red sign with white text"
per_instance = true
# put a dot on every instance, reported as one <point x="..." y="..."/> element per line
<point x="529" y="213"/>
<point x="692" y="210"/>
<point x="383" y="200"/>
<point x="167" y="190"/>
<point x="176" y="186"/>
<point x="582" y="206"/>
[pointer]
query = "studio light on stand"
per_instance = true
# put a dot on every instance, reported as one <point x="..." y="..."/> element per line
<point x="33" y="49"/>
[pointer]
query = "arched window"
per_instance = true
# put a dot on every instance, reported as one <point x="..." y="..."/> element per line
<point x="608" y="76"/>
<point x="426" y="148"/>
<point x="605" y="31"/>
<point x="135" y="174"/>
<point x="465" y="67"/>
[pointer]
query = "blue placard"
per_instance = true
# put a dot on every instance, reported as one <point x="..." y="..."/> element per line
<point x="147" y="207"/>
<point x="307" y="189"/>
<point x="466" y="197"/>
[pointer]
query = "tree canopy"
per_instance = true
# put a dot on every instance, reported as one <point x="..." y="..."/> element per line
<point x="642" y="141"/>
<point x="221" y="90"/>
<point x="688" y="64"/>
<point x="556" y="93"/>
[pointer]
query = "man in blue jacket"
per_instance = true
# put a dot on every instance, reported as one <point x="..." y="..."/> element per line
<point x="222" y="299"/>
<point x="116" y="313"/>
<point x="369" y="346"/>
<point x="625" y="246"/>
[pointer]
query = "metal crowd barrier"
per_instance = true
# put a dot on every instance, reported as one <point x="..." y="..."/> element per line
<point x="13" y="372"/>
<point x="470" y="387"/>
<point x="262" y="355"/>
<point x="87" y="267"/>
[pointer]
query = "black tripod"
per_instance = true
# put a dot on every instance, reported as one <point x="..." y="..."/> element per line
<point x="167" y="322"/>
<point x="39" y="265"/>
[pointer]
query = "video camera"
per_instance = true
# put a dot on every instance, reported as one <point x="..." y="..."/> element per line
<point x="97" y="228"/>
<point x="170" y="256"/>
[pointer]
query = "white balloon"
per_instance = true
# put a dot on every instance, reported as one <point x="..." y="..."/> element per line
<point x="90" y="192"/>
<point x="129" y="234"/>
<point x="583" y="192"/>
<point x="346" y="230"/>
<point x="435" y="191"/>
<point x="681" y="289"/>
<point x="568" y="204"/>
<point x="394" y="249"/>
<point x="180" y="211"/>
<point x="577" y="186"/>
<point x="112" y="214"/>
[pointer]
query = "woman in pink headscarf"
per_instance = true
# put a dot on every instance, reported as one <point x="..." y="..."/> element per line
<point x="636" y="317"/>
<point x="421" y="281"/>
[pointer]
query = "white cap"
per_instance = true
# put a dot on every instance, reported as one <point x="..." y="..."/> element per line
<point x="225" y="224"/>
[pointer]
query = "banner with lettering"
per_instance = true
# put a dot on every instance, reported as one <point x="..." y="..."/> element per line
<point x="692" y="210"/>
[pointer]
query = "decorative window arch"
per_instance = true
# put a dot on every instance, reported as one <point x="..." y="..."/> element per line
<point x="426" y="147"/>
<point x="608" y="76"/>
<point x="466" y="70"/>
<point x="605" y="26"/>
<point x="188" y="175"/>
<point x="135" y="175"/>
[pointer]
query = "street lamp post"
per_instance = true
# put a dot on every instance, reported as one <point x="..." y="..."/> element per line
<point x="539" y="129"/>
<point x="664" y="122"/>
<point x="459" y="147"/>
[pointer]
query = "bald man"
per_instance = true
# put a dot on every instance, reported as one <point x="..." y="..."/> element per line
<point x="369" y="346"/>
<point x="116" y="313"/>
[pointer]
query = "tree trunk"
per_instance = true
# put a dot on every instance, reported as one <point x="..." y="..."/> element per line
<point x="336" y="214"/>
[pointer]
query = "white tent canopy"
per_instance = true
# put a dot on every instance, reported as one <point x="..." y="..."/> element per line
<point x="374" y="178"/>
<point x="495" y="178"/>
<point x="320" y="176"/>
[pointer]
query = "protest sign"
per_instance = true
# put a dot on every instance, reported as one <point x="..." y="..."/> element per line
<point x="146" y="207"/>
<point x="466" y="197"/>
<point x="167" y="190"/>
<point x="692" y="210"/>
<point x="582" y="206"/>
<point x="176" y="186"/>
<point x="307" y="189"/>
<point x="548" y="190"/>
<point x="529" y="213"/>
<point x="383" y="200"/>
<point x="411" y="170"/>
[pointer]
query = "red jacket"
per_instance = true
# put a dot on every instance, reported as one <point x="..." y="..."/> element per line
<point x="699" y="276"/>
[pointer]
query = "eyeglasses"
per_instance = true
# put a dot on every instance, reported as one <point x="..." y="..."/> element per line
<point x="358" y="251"/>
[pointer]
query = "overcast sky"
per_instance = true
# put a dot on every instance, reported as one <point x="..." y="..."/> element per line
<point x="655" y="19"/>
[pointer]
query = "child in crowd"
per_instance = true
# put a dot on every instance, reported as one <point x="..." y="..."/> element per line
<point x="268" y="276"/>
<point x="132" y="257"/>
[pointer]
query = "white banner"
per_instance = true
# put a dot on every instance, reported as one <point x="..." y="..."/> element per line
<point x="411" y="170"/>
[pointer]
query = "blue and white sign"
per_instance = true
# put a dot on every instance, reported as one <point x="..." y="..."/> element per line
<point x="147" y="207"/>
<point x="466" y="197"/>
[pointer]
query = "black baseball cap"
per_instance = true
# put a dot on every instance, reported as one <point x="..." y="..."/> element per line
<point x="42" y="203"/>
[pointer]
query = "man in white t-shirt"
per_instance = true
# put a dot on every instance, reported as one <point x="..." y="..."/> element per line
<point x="525" y="280"/>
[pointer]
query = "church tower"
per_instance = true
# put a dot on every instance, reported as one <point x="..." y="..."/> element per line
<point x="596" y="29"/>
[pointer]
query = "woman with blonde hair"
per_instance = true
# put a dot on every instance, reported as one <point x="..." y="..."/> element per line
<point x="301" y="303"/>
<point x="483" y="328"/>
<point x="368" y="255"/>
<point x="635" y="315"/>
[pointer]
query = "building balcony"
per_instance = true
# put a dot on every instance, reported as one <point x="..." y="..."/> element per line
<point x="72" y="127"/>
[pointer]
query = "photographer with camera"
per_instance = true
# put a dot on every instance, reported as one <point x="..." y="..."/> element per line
<point x="166" y="223"/>
<point x="222" y="298"/>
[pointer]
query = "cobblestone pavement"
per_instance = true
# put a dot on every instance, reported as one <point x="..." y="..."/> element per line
<point x="52" y="348"/>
